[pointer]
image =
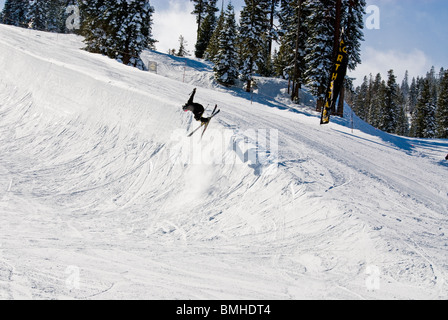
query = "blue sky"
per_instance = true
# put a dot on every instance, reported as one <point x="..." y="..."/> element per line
<point x="412" y="34"/>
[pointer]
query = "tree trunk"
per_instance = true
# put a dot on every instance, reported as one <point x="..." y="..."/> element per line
<point x="200" y="17"/>
<point x="248" y="86"/>
<point x="271" y="25"/>
<point x="320" y="99"/>
<point x="337" y="29"/>
<point x="296" y="74"/>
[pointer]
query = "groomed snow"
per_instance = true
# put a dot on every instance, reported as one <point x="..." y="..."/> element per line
<point x="102" y="196"/>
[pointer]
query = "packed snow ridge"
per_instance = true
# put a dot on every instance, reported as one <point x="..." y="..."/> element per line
<point x="102" y="196"/>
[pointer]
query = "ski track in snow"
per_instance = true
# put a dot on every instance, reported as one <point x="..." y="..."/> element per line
<point x="103" y="197"/>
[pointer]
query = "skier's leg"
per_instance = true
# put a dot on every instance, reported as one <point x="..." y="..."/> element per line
<point x="198" y="111"/>
<point x="204" y="120"/>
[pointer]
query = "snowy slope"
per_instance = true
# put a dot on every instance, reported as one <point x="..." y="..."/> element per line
<point x="103" y="197"/>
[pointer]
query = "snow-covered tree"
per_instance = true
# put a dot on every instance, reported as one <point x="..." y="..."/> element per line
<point x="402" y="127"/>
<point x="319" y="55"/>
<point x="285" y="55"/>
<point x="389" y="108"/>
<point x="293" y="34"/>
<point x="405" y="87"/>
<point x="133" y="34"/>
<point x="442" y="108"/>
<point x="352" y="20"/>
<point x="56" y="16"/>
<point x="14" y="13"/>
<point x="206" y="29"/>
<point x="37" y="14"/>
<point x="423" y="118"/>
<point x="269" y="12"/>
<point x="433" y="84"/>
<point x="377" y="97"/>
<point x="272" y="33"/>
<point x="381" y="104"/>
<point x="426" y="108"/>
<point x="95" y="27"/>
<point x="413" y="95"/>
<point x="326" y="21"/>
<point x="226" y="69"/>
<point x="213" y="45"/>
<point x="361" y="103"/>
<point x="120" y="29"/>
<point x="254" y="25"/>
<point x="182" y="51"/>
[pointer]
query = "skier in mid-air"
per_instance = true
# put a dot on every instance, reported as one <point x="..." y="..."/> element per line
<point x="198" y="111"/>
<point x="196" y="108"/>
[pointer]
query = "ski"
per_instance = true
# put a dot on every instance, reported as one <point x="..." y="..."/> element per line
<point x="194" y="131"/>
<point x="206" y="125"/>
<point x="214" y="113"/>
<point x="214" y="110"/>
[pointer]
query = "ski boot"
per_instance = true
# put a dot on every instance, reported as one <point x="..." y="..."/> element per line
<point x="204" y="121"/>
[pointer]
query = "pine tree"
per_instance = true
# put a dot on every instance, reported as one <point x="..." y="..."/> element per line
<point x="94" y="26"/>
<point x="405" y="86"/>
<point x="423" y="118"/>
<point x="120" y="29"/>
<point x="380" y="101"/>
<point x="430" y="122"/>
<point x="349" y="90"/>
<point x="44" y="15"/>
<point x="401" y="127"/>
<point x="361" y="103"/>
<point x="433" y="84"/>
<point x="442" y="108"/>
<point x="253" y="30"/>
<point x="280" y="63"/>
<point x="14" y="13"/>
<point x="182" y="51"/>
<point x="200" y="9"/>
<point x="272" y="34"/>
<point x="352" y="21"/>
<point x="388" y="112"/>
<point x="377" y="96"/>
<point x="319" y="55"/>
<point x="226" y="70"/>
<point x="441" y="74"/>
<point x="287" y="31"/>
<point x="268" y="9"/>
<point x="207" y="28"/>
<point x="439" y="80"/>
<point x="37" y="12"/>
<point x="56" y="16"/>
<point x="293" y="34"/>
<point x="133" y="33"/>
<point x="213" y="46"/>
<point x="413" y="96"/>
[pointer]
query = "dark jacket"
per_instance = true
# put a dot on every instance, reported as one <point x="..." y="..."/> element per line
<point x="196" y="108"/>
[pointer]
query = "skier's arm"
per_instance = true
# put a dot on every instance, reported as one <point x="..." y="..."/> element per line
<point x="190" y="101"/>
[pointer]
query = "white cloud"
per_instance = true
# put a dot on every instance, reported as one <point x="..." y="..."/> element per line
<point x="377" y="61"/>
<point x="172" y="22"/>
